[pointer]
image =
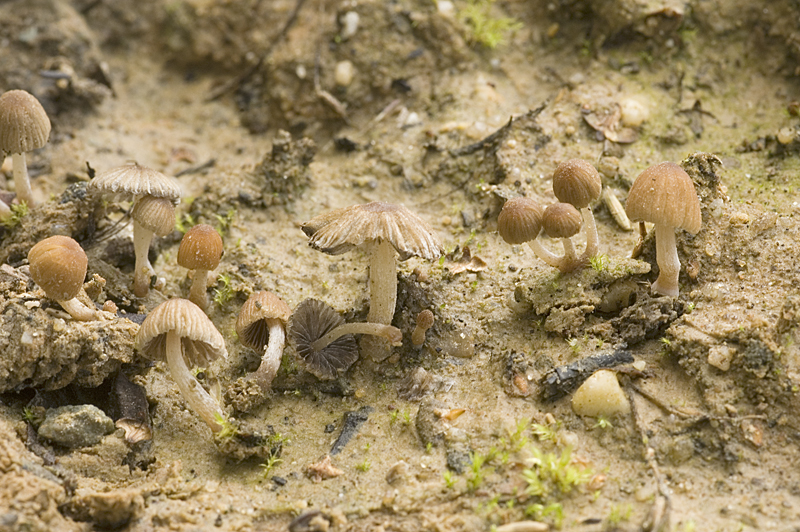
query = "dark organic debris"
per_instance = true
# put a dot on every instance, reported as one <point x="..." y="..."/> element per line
<point x="563" y="380"/>
<point x="352" y="423"/>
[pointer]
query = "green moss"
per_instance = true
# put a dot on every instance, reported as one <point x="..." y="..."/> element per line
<point x="483" y="28"/>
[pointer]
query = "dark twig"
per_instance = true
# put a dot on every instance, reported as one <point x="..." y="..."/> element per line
<point x="197" y="169"/>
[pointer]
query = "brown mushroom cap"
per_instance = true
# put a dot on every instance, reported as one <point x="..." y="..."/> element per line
<point x="58" y="265"/>
<point x="202" y="342"/>
<point x="155" y="214"/>
<point x="311" y="320"/>
<point x="136" y="180"/>
<point x="665" y="195"/>
<point x="577" y="182"/>
<point x="201" y="248"/>
<point x="251" y="325"/>
<point x="520" y="220"/>
<point x="341" y="230"/>
<point x="561" y="220"/>
<point x="24" y="125"/>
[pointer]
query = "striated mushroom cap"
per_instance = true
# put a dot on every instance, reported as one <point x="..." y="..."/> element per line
<point x="561" y="220"/>
<point x="24" y="125"/>
<point x="664" y="195"/>
<point x="520" y="220"/>
<point x="577" y="182"/>
<point x="58" y="264"/>
<point x="136" y="180"/>
<point x="155" y="214"/>
<point x="311" y="320"/>
<point x="201" y="248"/>
<point x="341" y="230"/>
<point x="202" y="342"/>
<point x="251" y="325"/>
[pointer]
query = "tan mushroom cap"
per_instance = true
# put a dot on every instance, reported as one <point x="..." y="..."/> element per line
<point x="155" y="214"/>
<point x="136" y="180"/>
<point x="520" y="220"/>
<point x="201" y="248"/>
<point x="577" y="182"/>
<point x="341" y="230"/>
<point x="665" y="195"/>
<point x="58" y="264"/>
<point x="311" y="320"/>
<point x="24" y="125"/>
<point x="561" y="220"/>
<point x="251" y="325"/>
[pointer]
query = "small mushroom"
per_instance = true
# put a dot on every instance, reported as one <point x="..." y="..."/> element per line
<point x="24" y="127"/>
<point x="312" y="320"/>
<point x="179" y="331"/>
<point x="563" y="221"/>
<point x="58" y="265"/>
<point x="261" y="326"/>
<point x="151" y="216"/>
<point x="424" y="322"/>
<point x="520" y="222"/>
<point x="578" y="183"/>
<point x="200" y="250"/>
<point x="665" y="196"/>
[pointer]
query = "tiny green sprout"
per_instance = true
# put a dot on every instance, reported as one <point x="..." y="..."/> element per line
<point x="484" y="29"/>
<point x="476" y="472"/>
<point x="18" y="212"/>
<point x="273" y="460"/>
<point x="602" y="423"/>
<point x="574" y="346"/>
<point x="184" y="222"/>
<point x="30" y="416"/>
<point x="690" y="307"/>
<point x="441" y="260"/>
<point x="228" y="430"/>
<point x="224" y="222"/>
<point x="599" y="262"/>
<point x="393" y="417"/>
<point x="364" y="466"/>
<point x="406" y="416"/>
<point x="224" y="293"/>
<point x="473" y="286"/>
<point x="449" y="479"/>
<point x="666" y="341"/>
<point x="544" y="432"/>
<point x="428" y="447"/>
<point x="367" y="446"/>
<point x="619" y="514"/>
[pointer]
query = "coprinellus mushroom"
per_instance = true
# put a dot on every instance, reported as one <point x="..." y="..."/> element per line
<point x="200" y="250"/>
<point x="58" y="265"/>
<point x="261" y="326"/>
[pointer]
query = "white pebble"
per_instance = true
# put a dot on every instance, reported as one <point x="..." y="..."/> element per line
<point x="301" y="72"/>
<point x="786" y="135"/>
<point x="344" y="73"/>
<point x="349" y="22"/>
<point x="600" y="395"/>
<point x="634" y="112"/>
<point x="445" y="8"/>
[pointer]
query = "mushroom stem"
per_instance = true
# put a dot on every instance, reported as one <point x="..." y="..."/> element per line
<point x="592" y="240"/>
<point x="78" y="310"/>
<point x="273" y="352"/>
<point x="197" y="294"/>
<point x="545" y="254"/>
<point x="382" y="283"/>
<point x="393" y="334"/>
<point x="143" y="270"/>
<point x="5" y="211"/>
<point x="194" y="394"/>
<point x="669" y="265"/>
<point x="22" y="184"/>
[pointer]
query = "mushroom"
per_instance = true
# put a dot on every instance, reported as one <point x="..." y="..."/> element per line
<point x="424" y="322"/>
<point x="58" y="265"/>
<point x="563" y="221"/>
<point x="520" y="222"/>
<point x="179" y="331"/>
<point x="578" y="183"/>
<point x="138" y="181"/>
<point x="665" y="196"/>
<point x="382" y="229"/>
<point x="261" y="326"/>
<point x="200" y="250"/>
<point x="151" y="216"/>
<point x="24" y="127"/>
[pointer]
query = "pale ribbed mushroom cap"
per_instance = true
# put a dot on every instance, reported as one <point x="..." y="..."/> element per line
<point x="520" y="220"/>
<point x="561" y="220"/>
<point x="155" y="214"/>
<point x="664" y="195"/>
<point x="58" y="265"/>
<point x="251" y="325"/>
<point x="577" y="182"/>
<point x="201" y="248"/>
<point x="341" y="230"/>
<point x="24" y="125"/>
<point x="311" y="320"/>
<point x="136" y="180"/>
<point x="202" y="342"/>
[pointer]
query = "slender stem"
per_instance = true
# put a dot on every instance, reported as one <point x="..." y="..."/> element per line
<point x="143" y="270"/>
<point x="393" y="334"/>
<point x="592" y="240"/>
<point x="669" y="265"/>
<point x="22" y="184"/>
<point x="545" y="254"/>
<point x="199" y="400"/>
<point x="197" y="294"/>
<point x="382" y="283"/>
<point x="5" y="211"/>
<point x="273" y="352"/>
<point x="78" y="310"/>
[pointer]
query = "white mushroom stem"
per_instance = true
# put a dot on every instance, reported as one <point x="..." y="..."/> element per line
<point x="669" y="265"/>
<point x="22" y="184"/>
<point x="273" y="352"/>
<point x="197" y="294"/>
<point x="382" y="283"/>
<point x="570" y="258"/>
<point x="592" y="240"/>
<point x="78" y="310"/>
<point x="143" y="268"/>
<point x="545" y="254"/>
<point x="199" y="400"/>
<point x="5" y="211"/>
<point x="393" y="334"/>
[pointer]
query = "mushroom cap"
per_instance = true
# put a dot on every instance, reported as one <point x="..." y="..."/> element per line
<point x="202" y="342"/>
<point x="24" y="125"/>
<point x="155" y="214"/>
<point x="58" y="265"/>
<point x="425" y="319"/>
<point x="561" y="220"/>
<point x="136" y="180"/>
<point x="520" y="220"/>
<point x="664" y="195"/>
<point x="251" y="325"/>
<point x="311" y="320"/>
<point x="201" y="248"/>
<point x="341" y="230"/>
<point x="577" y="182"/>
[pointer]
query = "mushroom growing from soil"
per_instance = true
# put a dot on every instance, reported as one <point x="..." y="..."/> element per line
<point x="24" y="127"/>
<point x="563" y="221"/>
<point x="578" y="183"/>
<point x="200" y="250"/>
<point x="179" y="331"/>
<point x="151" y="216"/>
<point x="58" y="265"/>
<point x="424" y="322"/>
<point x="665" y="196"/>
<point x="261" y="326"/>
<point x="382" y="229"/>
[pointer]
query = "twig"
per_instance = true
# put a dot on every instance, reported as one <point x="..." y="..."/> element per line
<point x="196" y="169"/>
<point x="328" y="98"/>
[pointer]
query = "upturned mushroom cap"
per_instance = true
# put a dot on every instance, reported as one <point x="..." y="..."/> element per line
<point x="577" y="182"/>
<point x="202" y="342"/>
<point x="58" y="265"/>
<point x="136" y="180"/>
<point x="311" y="320"/>
<point x="251" y="325"/>
<point x="341" y="230"/>
<point x="24" y="125"/>
<point x="201" y="248"/>
<point x="520" y="220"/>
<point x="155" y="214"/>
<point x="665" y="195"/>
<point x="561" y="220"/>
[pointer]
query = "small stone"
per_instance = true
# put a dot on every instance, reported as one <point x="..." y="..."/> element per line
<point x="344" y="73"/>
<point x="349" y="23"/>
<point x="786" y="135"/>
<point x="76" y="426"/>
<point x="600" y="395"/>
